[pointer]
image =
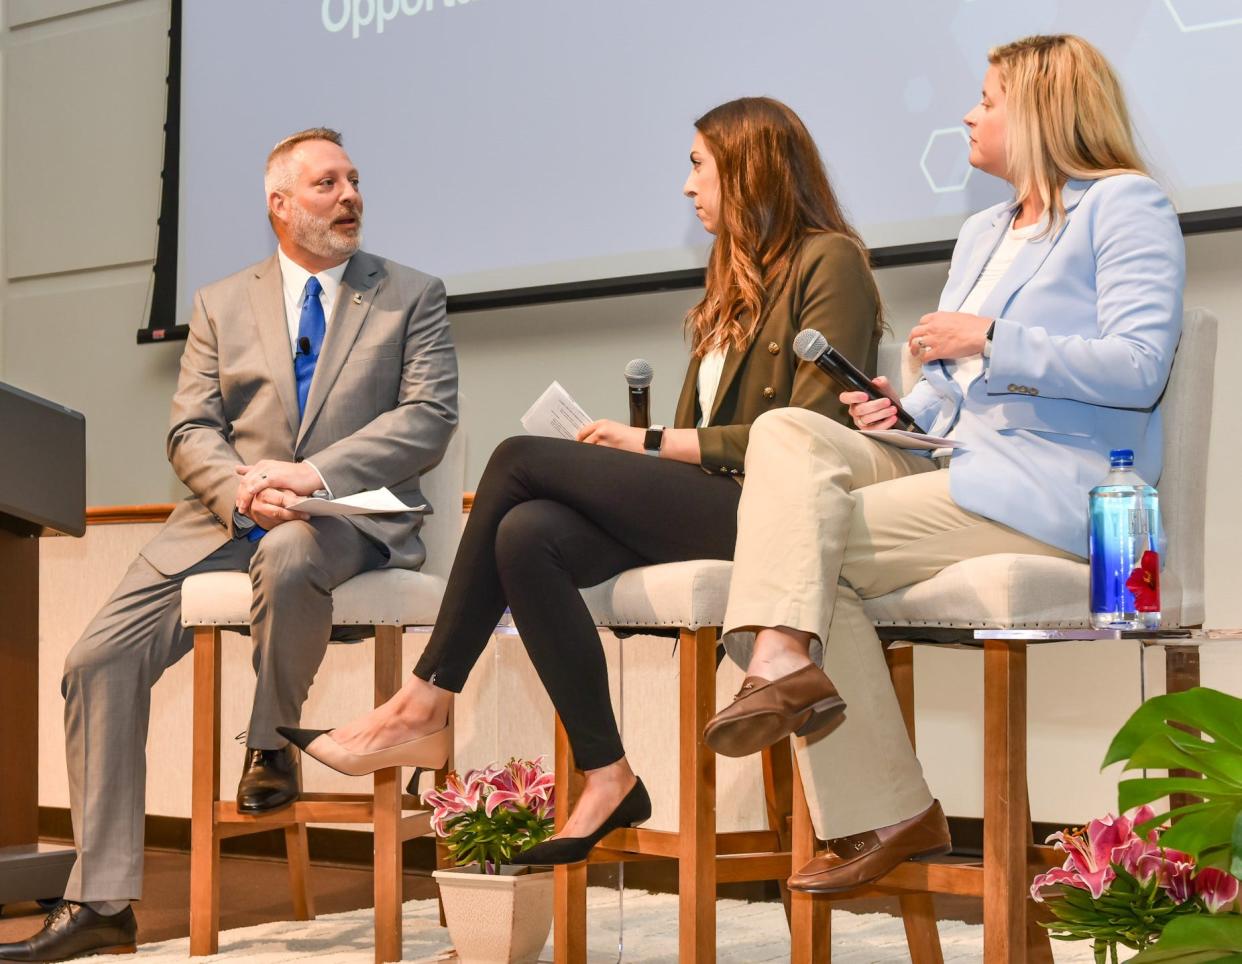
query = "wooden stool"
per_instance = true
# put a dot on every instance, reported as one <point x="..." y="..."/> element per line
<point x="704" y="857"/>
<point x="213" y="602"/>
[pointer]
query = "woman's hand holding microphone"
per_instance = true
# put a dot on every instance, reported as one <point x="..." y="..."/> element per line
<point x="873" y="413"/>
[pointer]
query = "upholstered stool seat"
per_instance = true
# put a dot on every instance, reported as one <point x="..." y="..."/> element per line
<point x="687" y="595"/>
<point x="382" y="597"/>
<point x="1004" y="591"/>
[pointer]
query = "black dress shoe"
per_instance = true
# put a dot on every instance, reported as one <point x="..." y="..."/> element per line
<point x="74" y="930"/>
<point x="271" y="780"/>
<point x="633" y="809"/>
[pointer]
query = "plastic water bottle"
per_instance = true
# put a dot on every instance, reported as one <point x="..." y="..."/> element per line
<point x="1126" y="554"/>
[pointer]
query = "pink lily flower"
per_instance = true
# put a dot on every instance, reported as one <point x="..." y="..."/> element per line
<point x="1089" y="856"/>
<point x="1216" y="888"/>
<point x="523" y="785"/>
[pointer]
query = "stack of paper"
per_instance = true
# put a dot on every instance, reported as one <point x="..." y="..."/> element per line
<point x="375" y="502"/>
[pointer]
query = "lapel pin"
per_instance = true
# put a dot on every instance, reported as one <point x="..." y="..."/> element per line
<point x="358" y="298"/>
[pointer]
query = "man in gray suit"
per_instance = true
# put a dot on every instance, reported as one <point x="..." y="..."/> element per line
<point x="321" y="369"/>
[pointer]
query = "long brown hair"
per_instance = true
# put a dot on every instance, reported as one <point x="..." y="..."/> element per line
<point x="1067" y="118"/>
<point x="774" y="191"/>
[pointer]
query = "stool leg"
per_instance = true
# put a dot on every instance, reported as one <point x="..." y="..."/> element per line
<point x="1006" y="828"/>
<point x="918" y="914"/>
<point x="918" y="911"/>
<point x="1181" y="672"/>
<point x="810" y="924"/>
<point x="297" y="852"/>
<point x="696" y="865"/>
<point x="205" y="791"/>
<point x="444" y="860"/>
<point x="387" y="809"/>
<point x="569" y="945"/>
<point x="778" y="795"/>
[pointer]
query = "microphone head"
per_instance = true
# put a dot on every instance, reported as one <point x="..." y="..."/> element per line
<point x="809" y="344"/>
<point x="638" y="373"/>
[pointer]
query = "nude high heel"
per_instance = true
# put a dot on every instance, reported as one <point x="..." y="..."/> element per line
<point x="428" y="752"/>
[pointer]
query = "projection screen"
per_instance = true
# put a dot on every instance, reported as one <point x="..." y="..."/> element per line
<point x="510" y="143"/>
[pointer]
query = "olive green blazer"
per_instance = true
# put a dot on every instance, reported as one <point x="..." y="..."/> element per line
<point x="830" y="289"/>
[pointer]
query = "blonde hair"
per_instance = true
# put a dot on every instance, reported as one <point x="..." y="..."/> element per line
<point x="1067" y="118"/>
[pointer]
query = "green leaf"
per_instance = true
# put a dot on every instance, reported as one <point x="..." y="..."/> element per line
<point x="1172" y="750"/>
<point x="1197" y="937"/>
<point x="1198" y="832"/>
<point x="1140" y="790"/>
<point x="1216" y="714"/>
<point x="1235" y="861"/>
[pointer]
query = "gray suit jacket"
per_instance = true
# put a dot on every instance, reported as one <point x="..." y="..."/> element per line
<point x="381" y="409"/>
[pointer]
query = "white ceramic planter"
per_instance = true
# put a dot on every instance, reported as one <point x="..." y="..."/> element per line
<point x="497" y="918"/>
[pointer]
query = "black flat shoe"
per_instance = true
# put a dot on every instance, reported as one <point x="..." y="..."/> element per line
<point x="271" y="780"/>
<point x="74" y="930"/>
<point x="633" y="809"/>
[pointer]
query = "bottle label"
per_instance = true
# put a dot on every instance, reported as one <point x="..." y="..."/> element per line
<point x="1144" y="583"/>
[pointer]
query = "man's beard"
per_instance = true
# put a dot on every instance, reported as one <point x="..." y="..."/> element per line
<point x="316" y="235"/>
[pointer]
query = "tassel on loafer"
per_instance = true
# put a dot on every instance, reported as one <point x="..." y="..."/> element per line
<point x="430" y="752"/>
<point x="633" y="809"/>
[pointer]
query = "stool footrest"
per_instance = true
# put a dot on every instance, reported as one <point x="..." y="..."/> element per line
<point x="415" y="825"/>
<point x="666" y="843"/>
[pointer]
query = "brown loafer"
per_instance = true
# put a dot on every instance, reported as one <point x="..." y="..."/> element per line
<point x="764" y="711"/>
<point x="864" y="857"/>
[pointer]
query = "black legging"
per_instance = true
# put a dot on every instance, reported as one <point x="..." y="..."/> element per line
<point x="552" y="516"/>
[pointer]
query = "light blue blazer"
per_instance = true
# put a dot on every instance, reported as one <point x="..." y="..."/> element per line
<point x="1087" y="321"/>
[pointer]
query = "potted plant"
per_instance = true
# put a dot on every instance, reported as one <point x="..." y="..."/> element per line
<point x="496" y="913"/>
<point x="1120" y="888"/>
<point x="1168" y="891"/>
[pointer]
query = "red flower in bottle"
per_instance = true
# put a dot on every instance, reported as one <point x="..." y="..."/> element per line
<point x="1144" y="583"/>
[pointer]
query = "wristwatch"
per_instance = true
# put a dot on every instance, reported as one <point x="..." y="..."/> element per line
<point x="653" y="439"/>
<point x="987" y="340"/>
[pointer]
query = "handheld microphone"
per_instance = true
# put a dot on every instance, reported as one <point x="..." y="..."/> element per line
<point x="810" y="345"/>
<point x="638" y="374"/>
<point x="304" y="346"/>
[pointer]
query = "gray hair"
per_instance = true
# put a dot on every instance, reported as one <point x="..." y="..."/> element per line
<point x="279" y="175"/>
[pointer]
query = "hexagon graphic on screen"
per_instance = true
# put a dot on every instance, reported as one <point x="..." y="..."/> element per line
<point x="1193" y="15"/>
<point x="946" y="160"/>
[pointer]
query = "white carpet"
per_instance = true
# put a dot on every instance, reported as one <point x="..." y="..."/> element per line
<point x="746" y="934"/>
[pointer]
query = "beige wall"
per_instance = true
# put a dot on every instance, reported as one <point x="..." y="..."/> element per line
<point x="83" y="99"/>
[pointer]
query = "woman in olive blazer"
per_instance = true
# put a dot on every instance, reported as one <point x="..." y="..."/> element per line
<point x="551" y="516"/>
<point x="830" y="290"/>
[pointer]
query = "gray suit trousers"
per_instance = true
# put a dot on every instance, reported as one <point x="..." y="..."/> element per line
<point x="138" y="634"/>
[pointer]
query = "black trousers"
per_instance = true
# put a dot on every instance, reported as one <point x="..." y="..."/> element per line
<point x="552" y="516"/>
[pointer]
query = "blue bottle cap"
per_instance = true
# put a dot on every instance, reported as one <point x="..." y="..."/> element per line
<point x="1120" y="458"/>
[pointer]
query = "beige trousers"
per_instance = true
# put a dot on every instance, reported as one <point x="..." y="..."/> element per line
<point x="830" y="517"/>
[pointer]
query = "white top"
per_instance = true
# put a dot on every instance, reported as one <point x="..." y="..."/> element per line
<point x="966" y="370"/>
<point x="294" y="278"/>
<point x="710" y="369"/>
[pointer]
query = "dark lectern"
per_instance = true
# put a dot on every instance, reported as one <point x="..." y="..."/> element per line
<point x="42" y="492"/>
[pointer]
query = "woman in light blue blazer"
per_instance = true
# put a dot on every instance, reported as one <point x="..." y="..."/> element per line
<point x="1052" y="344"/>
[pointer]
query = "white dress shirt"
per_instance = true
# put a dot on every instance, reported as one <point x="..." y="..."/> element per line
<point x="294" y="278"/>
<point x="966" y="370"/>
<point x="710" y="369"/>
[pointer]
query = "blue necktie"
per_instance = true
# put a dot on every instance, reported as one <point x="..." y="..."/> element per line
<point x="311" y="328"/>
